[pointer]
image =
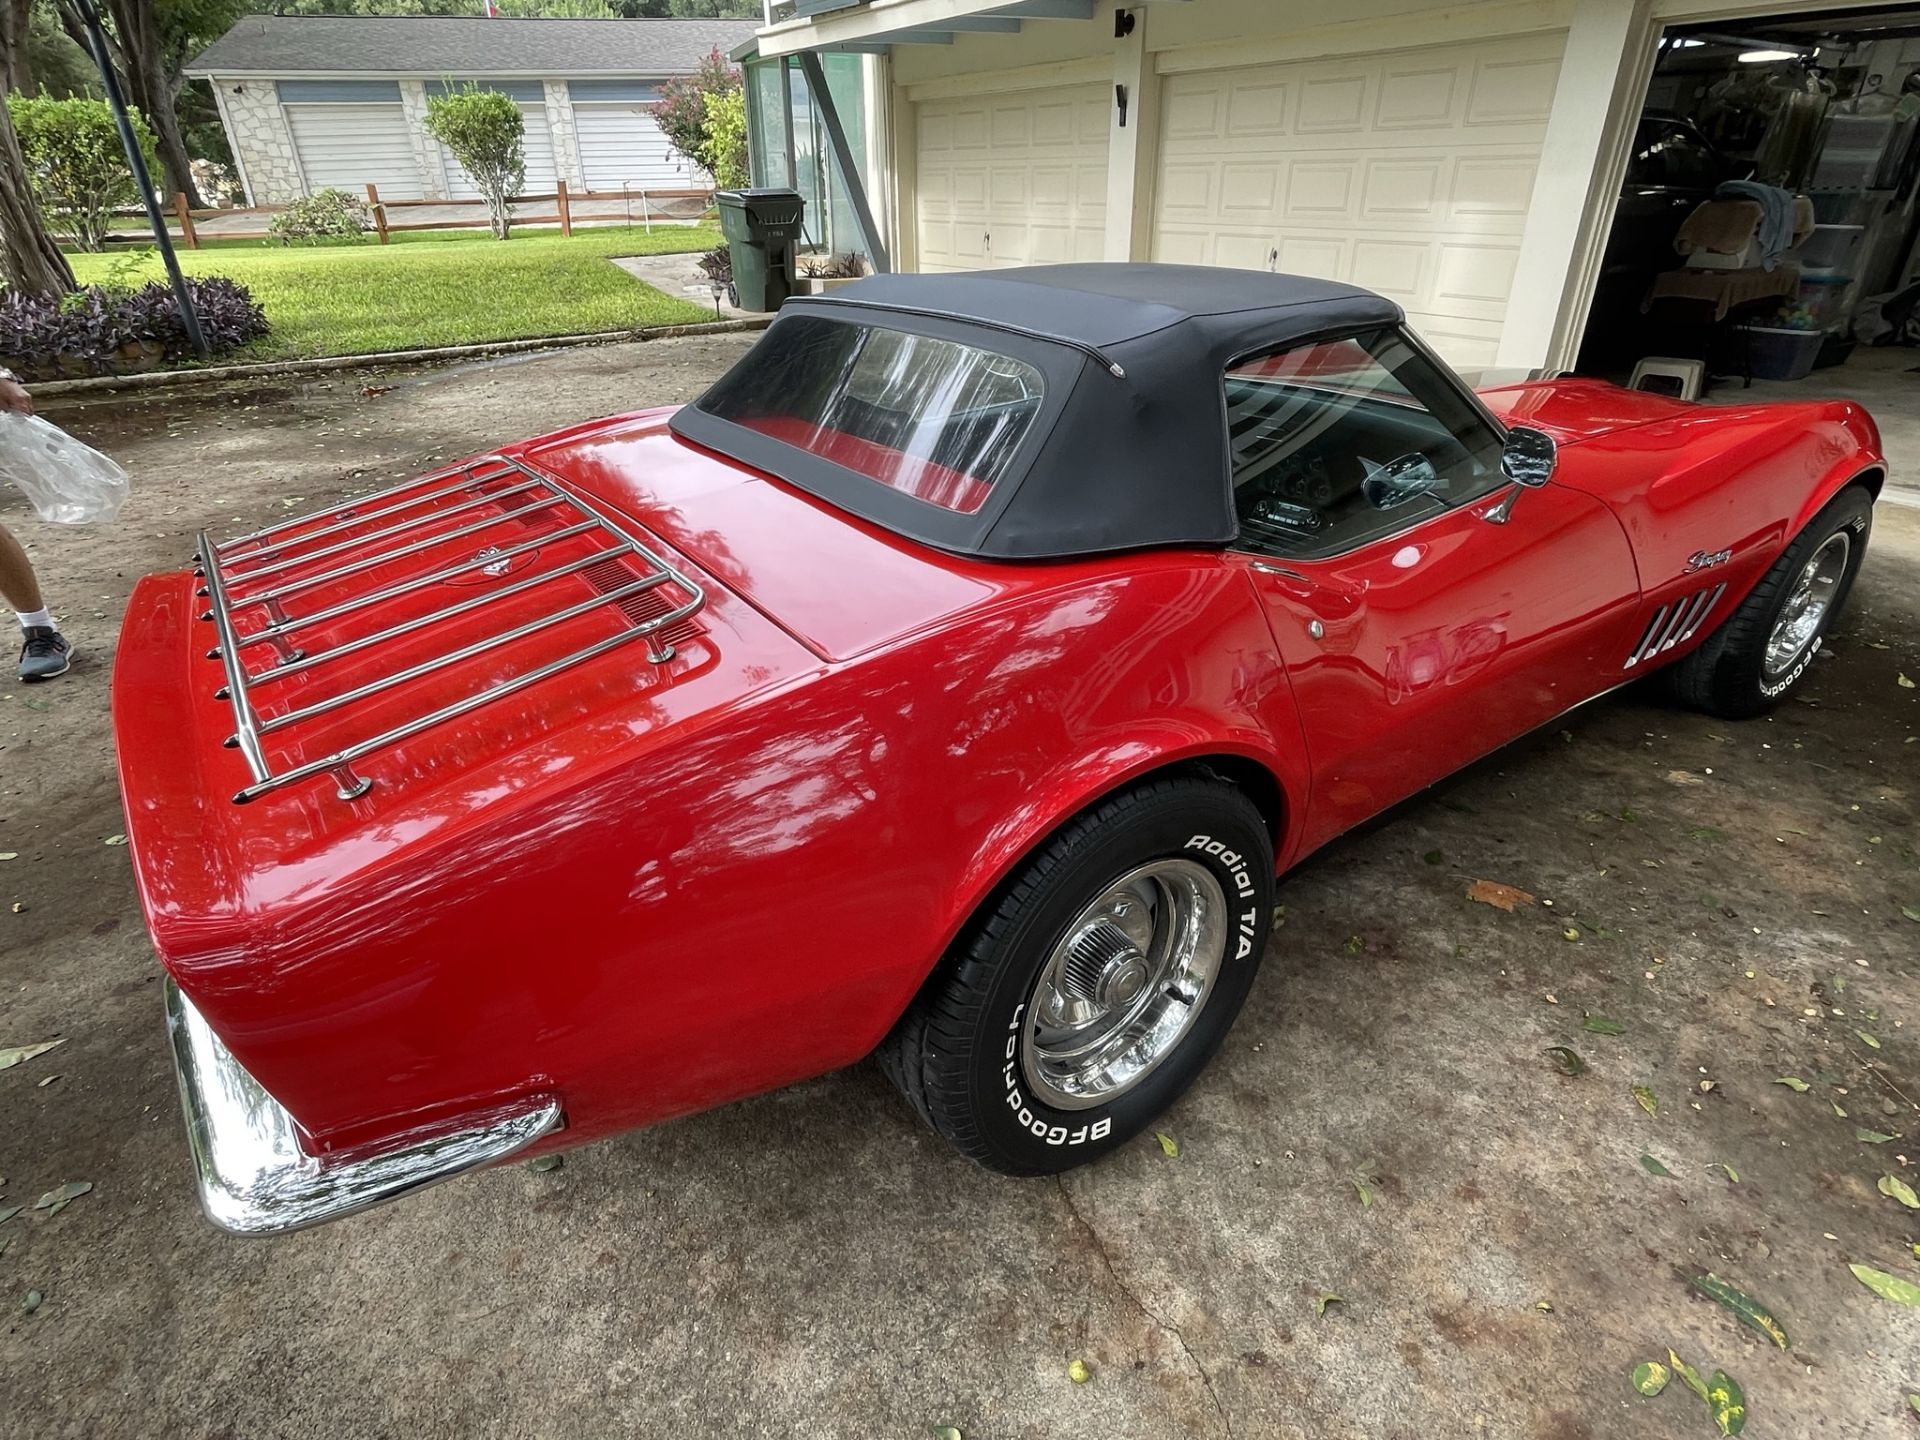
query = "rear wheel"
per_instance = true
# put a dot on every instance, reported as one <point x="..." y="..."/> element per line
<point x="1765" y="647"/>
<point x="1098" y="984"/>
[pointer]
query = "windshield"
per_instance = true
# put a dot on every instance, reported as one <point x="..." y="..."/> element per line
<point x="930" y="418"/>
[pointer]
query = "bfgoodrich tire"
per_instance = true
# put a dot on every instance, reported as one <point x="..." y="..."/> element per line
<point x="1763" y="650"/>
<point x="1097" y="984"/>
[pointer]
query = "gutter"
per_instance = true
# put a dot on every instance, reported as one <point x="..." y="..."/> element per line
<point x="212" y="374"/>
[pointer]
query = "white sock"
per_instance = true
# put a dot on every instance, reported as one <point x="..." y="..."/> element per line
<point x="30" y="618"/>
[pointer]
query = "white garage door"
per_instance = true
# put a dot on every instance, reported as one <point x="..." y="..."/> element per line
<point x="536" y="144"/>
<point x="1015" y="179"/>
<point x="622" y="148"/>
<point x="1406" y="172"/>
<point x="349" y="146"/>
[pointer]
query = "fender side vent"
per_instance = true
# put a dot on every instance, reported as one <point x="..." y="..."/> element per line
<point x="1675" y="623"/>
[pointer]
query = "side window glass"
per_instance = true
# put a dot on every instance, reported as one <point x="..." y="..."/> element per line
<point x="1340" y="442"/>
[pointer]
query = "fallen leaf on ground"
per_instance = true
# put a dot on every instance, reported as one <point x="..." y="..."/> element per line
<point x="1744" y="1306"/>
<point x="1654" y="1167"/>
<point x="1873" y="1137"/>
<point x="1837" y="1110"/>
<point x="1793" y="1083"/>
<point x="1867" y="1040"/>
<point x="1903" y="682"/>
<point x="8" y="1212"/>
<point x="14" y="1055"/>
<point x="1501" y="897"/>
<point x="1650" y="1377"/>
<point x="32" y="1302"/>
<point x="1168" y="1144"/>
<point x="9" y="854"/>
<point x="1366" y="1195"/>
<point x="114" y="840"/>
<point x="1894" y="1188"/>
<point x="1687" y="1373"/>
<point x="1329" y="1298"/>
<point x="1079" y="1373"/>
<point x="1570" y="933"/>
<point x="1912" y="912"/>
<point x="1887" y="1287"/>
<point x="54" y="1201"/>
<point x="1569" y="1063"/>
<point x="1601" y="1025"/>
<point x="946" y="1432"/>
<point x="1733" y="1175"/>
<point x="1728" y="1403"/>
<point x="1648" y="1101"/>
<point x="541" y="1164"/>
<point x="1684" y="777"/>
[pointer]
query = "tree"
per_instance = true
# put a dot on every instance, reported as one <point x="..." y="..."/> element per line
<point x="483" y="130"/>
<point x="148" y="45"/>
<point x="681" y="110"/>
<point x="29" y="260"/>
<point x="77" y="165"/>
<point x="726" y="132"/>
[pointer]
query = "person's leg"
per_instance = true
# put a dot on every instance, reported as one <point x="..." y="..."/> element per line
<point x="44" y="652"/>
<point x="17" y="581"/>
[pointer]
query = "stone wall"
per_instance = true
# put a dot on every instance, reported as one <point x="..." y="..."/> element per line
<point x="427" y="154"/>
<point x="261" y="141"/>
<point x="566" y="145"/>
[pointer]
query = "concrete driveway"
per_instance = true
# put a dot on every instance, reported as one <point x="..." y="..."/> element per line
<point x="1382" y="1125"/>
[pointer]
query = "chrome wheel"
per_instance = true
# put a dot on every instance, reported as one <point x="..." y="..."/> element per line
<point x="1125" y="984"/>
<point x="1808" y="604"/>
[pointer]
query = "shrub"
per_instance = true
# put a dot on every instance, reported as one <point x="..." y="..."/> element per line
<point x="726" y="134"/>
<point x="100" y="330"/>
<point x="717" y="265"/>
<point x="483" y="129"/>
<point x="681" y="110"/>
<point x="329" y="214"/>
<point x="76" y="163"/>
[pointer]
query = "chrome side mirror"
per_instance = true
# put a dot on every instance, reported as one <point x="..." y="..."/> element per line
<point x="1529" y="457"/>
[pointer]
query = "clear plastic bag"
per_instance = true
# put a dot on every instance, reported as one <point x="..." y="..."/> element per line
<point x="68" y="483"/>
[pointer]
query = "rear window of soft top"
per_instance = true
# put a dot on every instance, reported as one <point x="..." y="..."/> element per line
<point x="931" y="418"/>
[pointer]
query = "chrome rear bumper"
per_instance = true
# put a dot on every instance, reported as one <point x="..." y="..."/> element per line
<point x="254" y="1177"/>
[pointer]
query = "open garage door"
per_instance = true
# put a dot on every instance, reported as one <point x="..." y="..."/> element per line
<point x="1013" y="179"/>
<point x="1407" y="172"/>
<point x="348" y="135"/>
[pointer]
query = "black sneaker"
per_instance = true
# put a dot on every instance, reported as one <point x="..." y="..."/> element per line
<point x="45" y="654"/>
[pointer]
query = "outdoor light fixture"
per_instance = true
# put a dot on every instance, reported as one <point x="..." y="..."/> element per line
<point x="1767" y="57"/>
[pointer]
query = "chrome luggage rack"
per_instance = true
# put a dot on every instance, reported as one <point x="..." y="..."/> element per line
<point x="262" y="575"/>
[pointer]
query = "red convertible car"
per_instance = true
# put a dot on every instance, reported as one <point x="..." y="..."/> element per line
<point x="952" y="680"/>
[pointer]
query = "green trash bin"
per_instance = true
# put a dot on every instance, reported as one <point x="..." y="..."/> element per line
<point x="761" y="227"/>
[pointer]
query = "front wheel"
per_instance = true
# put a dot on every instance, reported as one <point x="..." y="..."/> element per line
<point x="1760" y="653"/>
<point x="1099" y="982"/>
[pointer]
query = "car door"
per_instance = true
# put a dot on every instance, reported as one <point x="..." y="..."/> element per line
<point x="1427" y="610"/>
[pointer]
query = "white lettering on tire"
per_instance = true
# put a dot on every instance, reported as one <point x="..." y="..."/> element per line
<point x="1023" y="1113"/>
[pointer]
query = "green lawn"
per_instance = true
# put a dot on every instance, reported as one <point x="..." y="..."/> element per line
<point x="362" y="297"/>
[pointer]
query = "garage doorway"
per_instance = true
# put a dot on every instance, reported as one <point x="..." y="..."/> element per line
<point x="1807" y="282"/>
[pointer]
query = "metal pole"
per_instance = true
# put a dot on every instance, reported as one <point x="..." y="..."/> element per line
<point x="97" y="39"/>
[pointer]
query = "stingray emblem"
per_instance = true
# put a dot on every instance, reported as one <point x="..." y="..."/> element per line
<point x="1706" y="560"/>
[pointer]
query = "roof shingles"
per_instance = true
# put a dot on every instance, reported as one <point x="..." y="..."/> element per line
<point x="463" y="46"/>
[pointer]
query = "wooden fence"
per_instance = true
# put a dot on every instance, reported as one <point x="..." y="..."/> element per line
<point x="386" y="227"/>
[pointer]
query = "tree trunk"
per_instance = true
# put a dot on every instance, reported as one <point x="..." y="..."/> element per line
<point x="15" y="76"/>
<point x="32" y="262"/>
<point x="143" y="69"/>
<point x="139" y="57"/>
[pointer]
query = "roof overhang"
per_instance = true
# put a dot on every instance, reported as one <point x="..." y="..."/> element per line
<point x="878" y="25"/>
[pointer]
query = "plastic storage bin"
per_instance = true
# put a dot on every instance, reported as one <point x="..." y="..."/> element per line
<point x="1825" y="298"/>
<point x="1776" y="353"/>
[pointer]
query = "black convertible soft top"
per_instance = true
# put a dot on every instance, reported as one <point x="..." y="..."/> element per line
<point x="1129" y="448"/>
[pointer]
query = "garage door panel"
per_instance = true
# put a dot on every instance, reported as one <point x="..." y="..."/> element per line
<point x="1020" y="179"/>
<point x="1328" y="106"/>
<point x="348" y="147"/>
<point x="622" y="147"/>
<point x="1416" y="99"/>
<point x="1406" y="171"/>
<point x="1516" y="92"/>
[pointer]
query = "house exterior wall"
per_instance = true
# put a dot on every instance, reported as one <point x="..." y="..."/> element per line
<point x="262" y="144"/>
<point x="1605" y="51"/>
